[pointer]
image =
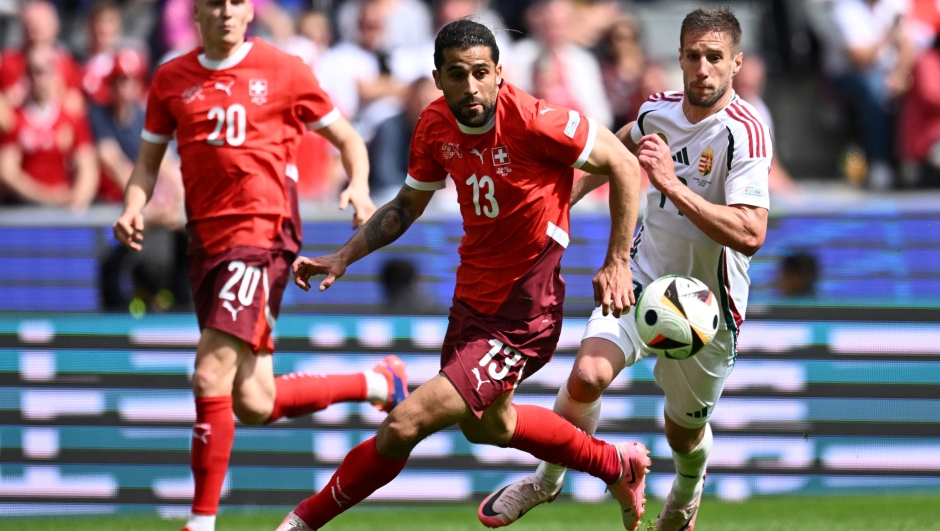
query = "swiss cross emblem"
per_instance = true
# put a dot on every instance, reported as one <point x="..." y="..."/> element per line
<point x="258" y="91"/>
<point x="500" y="156"/>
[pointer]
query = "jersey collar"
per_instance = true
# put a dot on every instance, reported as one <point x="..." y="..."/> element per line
<point x="229" y="61"/>
<point x="485" y="128"/>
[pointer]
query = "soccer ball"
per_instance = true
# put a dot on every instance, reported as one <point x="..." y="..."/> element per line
<point x="677" y="316"/>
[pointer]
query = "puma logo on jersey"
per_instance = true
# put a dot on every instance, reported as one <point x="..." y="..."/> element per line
<point x="545" y="110"/>
<point x="227" y="88"/>
<point x="478" y="153"/>
<point x="681" y="157"/>
<point x="228" y="306"/>
<point x="480" y="380"/>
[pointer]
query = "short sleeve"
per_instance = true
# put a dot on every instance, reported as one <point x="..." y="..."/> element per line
<point x="562" y="134"/>
<point x="312" y="105"/>
<point x="159" y="123"/>
<point x="749" y="172"/>
<point x="424" y="172"/>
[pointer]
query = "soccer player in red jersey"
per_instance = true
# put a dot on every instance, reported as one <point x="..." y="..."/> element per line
<point x="238" y="108"/>
<point x="512" y="158"/>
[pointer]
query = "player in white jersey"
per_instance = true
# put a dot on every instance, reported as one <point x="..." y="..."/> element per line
<point x="708" y="156"/>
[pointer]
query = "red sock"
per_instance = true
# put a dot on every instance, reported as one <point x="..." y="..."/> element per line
<point x="363" y="472"/>
<point x="301" y="392"/>
<point x="548" y="436"/>
<point x="212" y="445"/>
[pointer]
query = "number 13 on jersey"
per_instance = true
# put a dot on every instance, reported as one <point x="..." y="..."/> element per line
<point x="491" y="210"/>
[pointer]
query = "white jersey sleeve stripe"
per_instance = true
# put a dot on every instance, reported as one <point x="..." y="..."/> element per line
<point x="154" y="138"/>
<point x="325" y="121"/>
<point x="426" y="187"/>
<point x="588" y="145"/>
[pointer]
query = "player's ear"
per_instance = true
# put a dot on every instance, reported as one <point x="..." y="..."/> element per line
<point x="437" y="79"/>
<point x="738" y="61"/>
<point x="499" y="74"/>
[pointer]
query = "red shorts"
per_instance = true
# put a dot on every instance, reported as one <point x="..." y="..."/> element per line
<point x="486" y="356"/>
<point x="239" y="292"/>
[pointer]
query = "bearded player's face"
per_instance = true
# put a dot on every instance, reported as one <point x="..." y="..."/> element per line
<point x="470" y="82"/>
<point x="708" y="65"/>
<point x="223" y="22"/>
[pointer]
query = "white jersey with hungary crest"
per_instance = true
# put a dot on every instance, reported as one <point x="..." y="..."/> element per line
<point x="726" y="160"/>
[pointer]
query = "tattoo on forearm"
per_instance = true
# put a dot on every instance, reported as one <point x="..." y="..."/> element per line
<point x="386" y="225"/>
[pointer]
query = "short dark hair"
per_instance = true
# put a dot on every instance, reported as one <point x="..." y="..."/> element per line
<point x="704" y="20"/>
<point x="463" y="34"/>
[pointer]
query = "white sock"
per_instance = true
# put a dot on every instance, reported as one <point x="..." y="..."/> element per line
<point x="690" y="470"/>
<point x="201" y="522"/>
<point x="584" y="416"/>
<point x="376" y="387"/>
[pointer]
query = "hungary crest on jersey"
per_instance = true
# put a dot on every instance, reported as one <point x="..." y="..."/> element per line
<point x="706" y="160"/>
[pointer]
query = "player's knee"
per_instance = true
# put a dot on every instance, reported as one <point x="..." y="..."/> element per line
<point x="208" y="382"/>
<point x="683" y="442"/>
<point x="588" y="381"/>
<point x="397" y="435"/>
<point x="493" y="428"/>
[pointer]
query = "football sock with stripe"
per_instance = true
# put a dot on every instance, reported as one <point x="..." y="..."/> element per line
<point x="549" y="437"/>
<point x="690" y="470"/>
<point x="300" y="392"/>
<point x="212" y="439"/>
<point x="584" y="416"/>
<point x="363" y="472"/>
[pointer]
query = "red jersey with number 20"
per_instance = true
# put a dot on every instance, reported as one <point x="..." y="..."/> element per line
<point x="513" y="178"/>
<point x="238" y="123"/>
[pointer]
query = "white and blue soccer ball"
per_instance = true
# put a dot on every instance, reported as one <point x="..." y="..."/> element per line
<point x="677" y="316"/>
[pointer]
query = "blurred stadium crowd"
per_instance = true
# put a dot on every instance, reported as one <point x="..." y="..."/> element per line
<point x="73" y="81"/>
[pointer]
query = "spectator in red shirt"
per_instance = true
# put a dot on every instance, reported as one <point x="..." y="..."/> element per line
<point x="919" y="121"/>
<point x="41" y="28"/>
<point x="47" y="158"/>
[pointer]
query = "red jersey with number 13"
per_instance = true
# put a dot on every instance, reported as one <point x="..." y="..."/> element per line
<point x="514" y="178"/>
<point x="238" y="123"/>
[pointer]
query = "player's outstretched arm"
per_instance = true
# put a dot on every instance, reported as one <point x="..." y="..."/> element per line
<point x="613" y="284"/>
<point x="129" y="228"/>
<point x="591" y="181"/>
<point x="384" y="227"/>
<point x="740" y="227"/>
<point x="355" y="157"/>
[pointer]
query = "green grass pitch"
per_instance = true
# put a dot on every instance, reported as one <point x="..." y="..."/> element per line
<point x="888" y="513"/>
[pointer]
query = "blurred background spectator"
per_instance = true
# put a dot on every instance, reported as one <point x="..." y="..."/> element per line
<point x="868" y="59"/>
<point x="402" y="294"/>
<point x="47" y="157"/>
<point x="797" y="274"/>
<point x="550" y="63"/>
<point x="40" y="24"/>
<point x="389" y="148"/>
<point x="919" y="122"/>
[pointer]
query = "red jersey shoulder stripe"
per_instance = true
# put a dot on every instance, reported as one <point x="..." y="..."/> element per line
<point x="758" y="126"/>
<point x="732" y="112"/>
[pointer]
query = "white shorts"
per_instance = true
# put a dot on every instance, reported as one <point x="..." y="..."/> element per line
<point x="692" y="386"/>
